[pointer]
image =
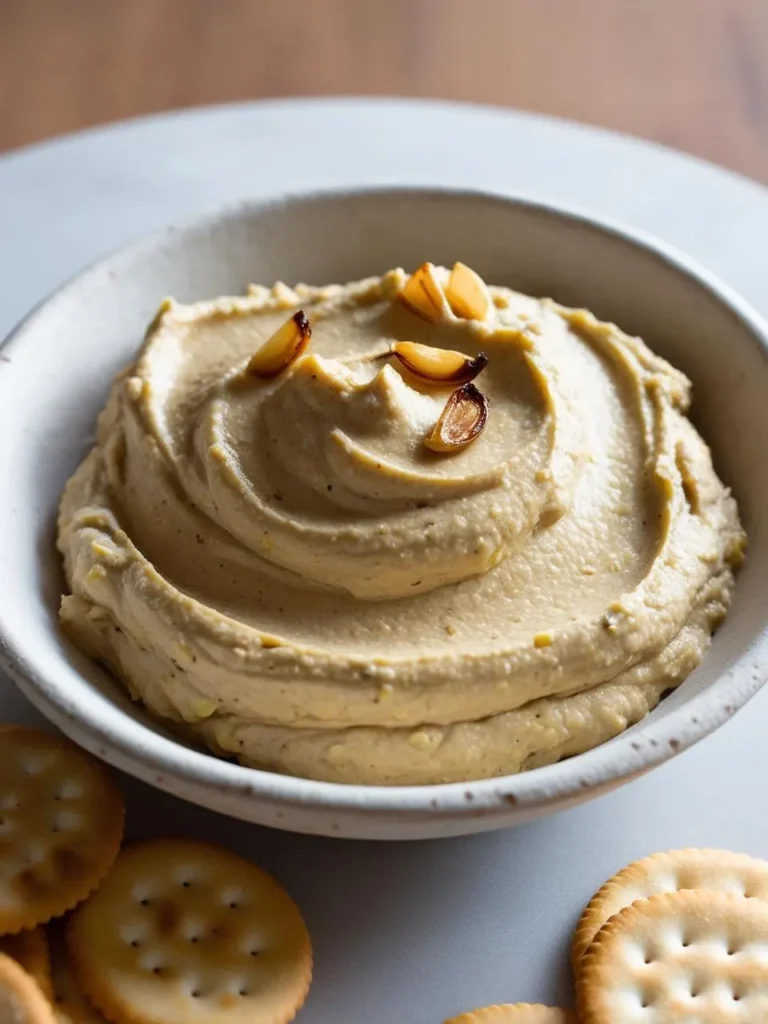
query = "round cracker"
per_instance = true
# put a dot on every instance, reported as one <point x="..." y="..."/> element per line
<point x="515" y="1013"/>
<point x="30" y="950"/>
<point x="21" y="1001"/>
<point x="69" y="1000"/>
<point x="712" y="870"/>
<point x="182" y="930"/>
<point x="688" y="957"/>
<point x="61" y="822"/>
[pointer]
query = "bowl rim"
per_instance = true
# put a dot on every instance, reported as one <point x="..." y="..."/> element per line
<point x="136" y="748"/>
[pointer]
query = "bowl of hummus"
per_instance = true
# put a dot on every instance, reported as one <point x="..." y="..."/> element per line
<point x="388" y="513"/>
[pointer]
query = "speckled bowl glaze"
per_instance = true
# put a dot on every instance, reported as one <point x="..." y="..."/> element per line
<point x="56" y="367"/>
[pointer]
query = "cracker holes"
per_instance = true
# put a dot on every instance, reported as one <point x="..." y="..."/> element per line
<point x="31" y="765"/>
<point x="144" y="890"/>
<point x="135" y="936"/>
<point x="154" y="963"/>
<point x="193" y="930"/>
<point x="234" y="899"/>
<point x="69" y="790"/>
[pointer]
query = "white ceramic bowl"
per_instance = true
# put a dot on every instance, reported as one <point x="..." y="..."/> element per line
<point x="56" y="367"/>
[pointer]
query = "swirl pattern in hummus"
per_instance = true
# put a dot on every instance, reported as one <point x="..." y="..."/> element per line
<point x="282" y="566"/>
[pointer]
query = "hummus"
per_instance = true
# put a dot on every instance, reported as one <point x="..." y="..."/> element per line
<point x="283" y="568"/>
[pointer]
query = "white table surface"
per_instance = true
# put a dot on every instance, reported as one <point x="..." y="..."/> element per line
<point x="412" y="932"/>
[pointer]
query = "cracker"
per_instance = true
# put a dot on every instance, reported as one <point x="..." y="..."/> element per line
<point x="186" y="931"/>
<point x="515" y="1013"/>
<point x="688" y="957"/>
<point x="717" y="870"/>
<point x="21" y="1001"/>
<point x="69" y="1001"/>
<point x="61" y="822"/>
<point x="30" y="950"/>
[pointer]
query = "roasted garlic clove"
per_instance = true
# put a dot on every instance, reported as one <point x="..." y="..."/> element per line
<point x="467" y="293"/>
<point x="423" y="295"/>
<point x="438" y="365"/>
<point x="461" y="421"/>
<point x="286" y="344"/>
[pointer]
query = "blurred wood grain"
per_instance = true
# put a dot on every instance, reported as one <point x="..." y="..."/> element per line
<point x="689" y="73"/>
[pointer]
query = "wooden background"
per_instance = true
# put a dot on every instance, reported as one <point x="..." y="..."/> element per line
<point x="689" y="73"/>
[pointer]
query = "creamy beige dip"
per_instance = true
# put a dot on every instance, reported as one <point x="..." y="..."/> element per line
<point x="284" y="568"/>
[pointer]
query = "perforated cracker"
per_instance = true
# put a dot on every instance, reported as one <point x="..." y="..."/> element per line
<point x="185" y="931"/>
<point x="712" y="870"/>
<point x="689" y="957"/>
<point x="69" y="1001"/>
<point x="21" y="1001"/>
<point x="515" y="1013"/>
<point x="61" y="822"/>
<point x="30" y="950"/>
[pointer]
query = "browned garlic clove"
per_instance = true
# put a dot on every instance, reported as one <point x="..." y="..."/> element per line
<point x="467" y="293"/>
<point x="461" y="421"/>
<point x="286" y="345"/>
<point x="438" y="365"/>
<point x="424" y="296"/>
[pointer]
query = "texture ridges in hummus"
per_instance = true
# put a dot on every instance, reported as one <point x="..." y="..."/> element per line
<point x="284" y="568"/>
